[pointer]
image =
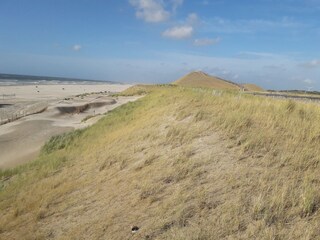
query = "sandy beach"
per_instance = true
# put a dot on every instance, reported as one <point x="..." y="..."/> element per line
<point x="54" y="91"/>
<point x="31" y="114"/>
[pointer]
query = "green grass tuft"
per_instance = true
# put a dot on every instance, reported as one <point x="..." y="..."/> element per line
<point x="61" y="141"/>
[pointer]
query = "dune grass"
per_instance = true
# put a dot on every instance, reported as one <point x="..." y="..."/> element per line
<point x="180" y="163"/>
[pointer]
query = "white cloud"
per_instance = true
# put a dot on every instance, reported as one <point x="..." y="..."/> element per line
<point x="311" y="64"/>
<point x="223" y="25"/>
<point x="192" y="18"/>
<point x="176" y="4"/>
<point x="154" y="10"/>
<point x="274" y="67"/>
<point x="308" y="81"/>
<point x="76" y="47"/>
<point x="181" y="32"/>
<point x="150" y="10"/>
<point x="256" y="55"/>
<point x="206" y="41"/>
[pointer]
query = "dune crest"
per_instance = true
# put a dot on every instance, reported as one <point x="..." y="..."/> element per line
<point x="202" y="79"/>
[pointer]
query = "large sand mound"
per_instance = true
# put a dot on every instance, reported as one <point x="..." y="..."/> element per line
<point x="201" y="79"/>
<point x="253" y="87"/>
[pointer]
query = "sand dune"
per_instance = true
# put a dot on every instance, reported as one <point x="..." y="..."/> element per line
<point x="201" y="79"/>
<point x="253" y="87"/>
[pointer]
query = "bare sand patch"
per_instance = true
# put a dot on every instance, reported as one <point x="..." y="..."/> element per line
<point x="25" y="140"/>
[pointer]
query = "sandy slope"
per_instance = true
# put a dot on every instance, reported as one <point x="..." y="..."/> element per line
<point x="21" y="140"/>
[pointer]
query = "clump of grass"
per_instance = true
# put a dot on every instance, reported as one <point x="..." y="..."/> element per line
<point x="87" y="118"/>
<point x="291" y="106"/>
<point x="6" y="173"/>
<point x="61" y="141"/>
<point x="309" y="200"/>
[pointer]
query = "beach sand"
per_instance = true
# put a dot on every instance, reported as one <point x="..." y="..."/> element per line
<point x="54" y="91"/>
<point x="61" y="111"/>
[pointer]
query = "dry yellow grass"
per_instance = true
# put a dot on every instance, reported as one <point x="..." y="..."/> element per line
<point x="180" y="163"/>
<point x="201" y="79"/>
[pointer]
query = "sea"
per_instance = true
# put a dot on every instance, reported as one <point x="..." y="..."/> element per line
<point x="18" y="80"/>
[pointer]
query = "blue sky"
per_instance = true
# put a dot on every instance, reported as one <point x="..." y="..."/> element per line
<point x="271" y="43"/>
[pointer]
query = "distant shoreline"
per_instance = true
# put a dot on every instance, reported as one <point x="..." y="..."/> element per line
<point x="22" y="80"/>
<point x="7" y="83"/>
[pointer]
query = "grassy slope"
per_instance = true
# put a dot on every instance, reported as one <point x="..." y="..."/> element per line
<point x="180" y="163"/>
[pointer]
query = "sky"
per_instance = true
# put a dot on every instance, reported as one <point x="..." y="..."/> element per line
<point x="273" y="43"/>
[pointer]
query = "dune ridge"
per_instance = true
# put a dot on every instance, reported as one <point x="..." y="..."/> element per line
<point x="179" y="163"/>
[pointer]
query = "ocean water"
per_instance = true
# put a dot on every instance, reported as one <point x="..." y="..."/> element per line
<point x="18" y="80"/>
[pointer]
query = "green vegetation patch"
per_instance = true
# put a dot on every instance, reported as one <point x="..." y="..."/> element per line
<point x="61" y="141"/>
